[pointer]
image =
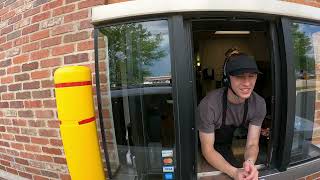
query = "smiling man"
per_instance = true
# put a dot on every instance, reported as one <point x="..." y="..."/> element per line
<point x="224" y="110"/>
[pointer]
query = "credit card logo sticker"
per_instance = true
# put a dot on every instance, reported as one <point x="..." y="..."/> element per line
<point x="168" y="169"/>
<point x="167" y="161"/>
<point x="167" y="153"/>
<point x="168" y="176"/>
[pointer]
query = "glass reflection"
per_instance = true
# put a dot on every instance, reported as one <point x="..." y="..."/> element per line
<point x="306" y="43"/>
<point x="139" y="72"/>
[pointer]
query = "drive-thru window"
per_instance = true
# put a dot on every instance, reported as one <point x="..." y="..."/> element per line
<point x="157" y="61"/>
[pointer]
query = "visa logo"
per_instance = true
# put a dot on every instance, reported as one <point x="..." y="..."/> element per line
<point x="168" y="169"/>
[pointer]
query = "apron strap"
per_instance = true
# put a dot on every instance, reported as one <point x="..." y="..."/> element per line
<point x="225" y="106"/>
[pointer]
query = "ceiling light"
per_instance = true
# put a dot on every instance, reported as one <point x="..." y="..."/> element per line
<point x="232" y="32"/>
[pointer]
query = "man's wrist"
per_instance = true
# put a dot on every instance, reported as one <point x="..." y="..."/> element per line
<point x="250" y="161"/>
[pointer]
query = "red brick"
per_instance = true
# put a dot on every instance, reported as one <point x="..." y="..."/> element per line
<point x="3" y="88"/>
<point x="47" y="84"/>
<point x="19" y="122"/>
<point x="63" y="29"/>
<point x="71" y="1"/>
<point x="23" y="95"/>
<point x="52" y="5"/>
<point x="43" y="158"/>
<point x="33" y="103"/>
<point x="49" y="104"/>
<point x="40" y="17"/>
<point x="3" y="11"/>
<point x="31" y="47"/>
<point x="48" y="133"/>
<point x="7" y="158"/>
<point x="54" y="124"/>
<point x="25" y="139"/>
<point x="51" y="62"/>
<point x="13" y="69"/>
<point x="3" y="129"/>
<point x="4" y="105"/>
<point x="44" y="114"/>
<point x="41" y="141"/>
<point x="25" y="175"/>
<point x="8" y="15"/>
<point x="4" y="143"/>
<point x="76" y="37"/>
<point x="31" y="85"/>
<point x="15" y="87"/>
<point x="32" y="170"/>
<point x="7" y="30"/>
<point x="54" y="151"/>
<point x="56" y="142"/>
<point x="21" y="59"/>
<point x="5" y="63"/>
<point x="87" y="45"/>
<point x="32" y="148"/>
<point x="5" y="163"/>
<point x="7" y="79"/>
<point x="65" y="49"/>
<point x="11" y="170"/>
<point x="41" y="94"/>
<point x="22" y="77"/>
<point x="30" y="66"/>
<point x="15" y="19"/>
<point x="40" y="74"/>
<point x="40" y="54"/>
<point x="35" y="177"/>
<point x="30" y="29"/>
<point x="13" y="130"/>
<point x="21" y="40"/>
<point x="14" y="35"/>
<point x="6" y="46"/>
<point x="49" y="174"/>
<point x="21" y="161"/>
<point x="90" y="3"/>
<point x="17" y="146"/>
<point x="64" y="10"/>
<point x="9" y="137"/>
<point x="16" y="104"/>
<point x="2" y="39"/>
<point x="7" y="96"/>
<point x="36" y="123"/>
<point x="27" y="155"/>
<point x="51" y="42"/>
<point x="2" y="55"/>
<point x="26" y="113"/>
<point x="39" y="35"/>
<point x="59" y="160"/>
<point x="78" y="58"/>
<point x="31" y="12"/>
<point x="76" y="16"/>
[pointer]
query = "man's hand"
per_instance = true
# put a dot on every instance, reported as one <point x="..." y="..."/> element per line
<point x="240" y="175"/>
<point x="250" y="170"/>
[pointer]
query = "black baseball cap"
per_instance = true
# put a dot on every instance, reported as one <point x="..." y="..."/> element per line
<point x="241" y="64"/>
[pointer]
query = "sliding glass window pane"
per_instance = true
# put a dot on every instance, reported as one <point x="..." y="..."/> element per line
<point x="306" y="140"/>
<point x="140" y="95"/>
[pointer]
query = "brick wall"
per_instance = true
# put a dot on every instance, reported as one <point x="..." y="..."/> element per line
<point x="36" y="37"/>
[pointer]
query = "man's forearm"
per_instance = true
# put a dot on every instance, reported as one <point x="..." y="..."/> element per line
<point x="216" y="160"/>
<point x="251" y="153"/>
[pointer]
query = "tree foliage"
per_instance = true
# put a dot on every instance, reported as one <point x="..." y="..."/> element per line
<point x="302" y="46"/>
<point x="132" y="49"/>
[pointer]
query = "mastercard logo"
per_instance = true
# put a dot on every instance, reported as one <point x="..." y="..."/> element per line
<point x="167" y="161"/>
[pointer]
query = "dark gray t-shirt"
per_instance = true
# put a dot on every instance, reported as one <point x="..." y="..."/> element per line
<point x="210" y="111"/>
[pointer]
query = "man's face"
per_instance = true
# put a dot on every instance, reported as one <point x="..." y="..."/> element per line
<point x="243" y="84"/>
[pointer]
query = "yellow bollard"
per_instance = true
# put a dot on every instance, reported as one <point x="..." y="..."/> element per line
<point x="78" y="127"/>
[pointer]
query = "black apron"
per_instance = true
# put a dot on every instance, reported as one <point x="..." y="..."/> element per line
<point x="224" y="135"/>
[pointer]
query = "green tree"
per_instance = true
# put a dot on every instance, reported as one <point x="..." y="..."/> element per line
<point x="131" y="50"/>
<point x="302" y="45"/>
